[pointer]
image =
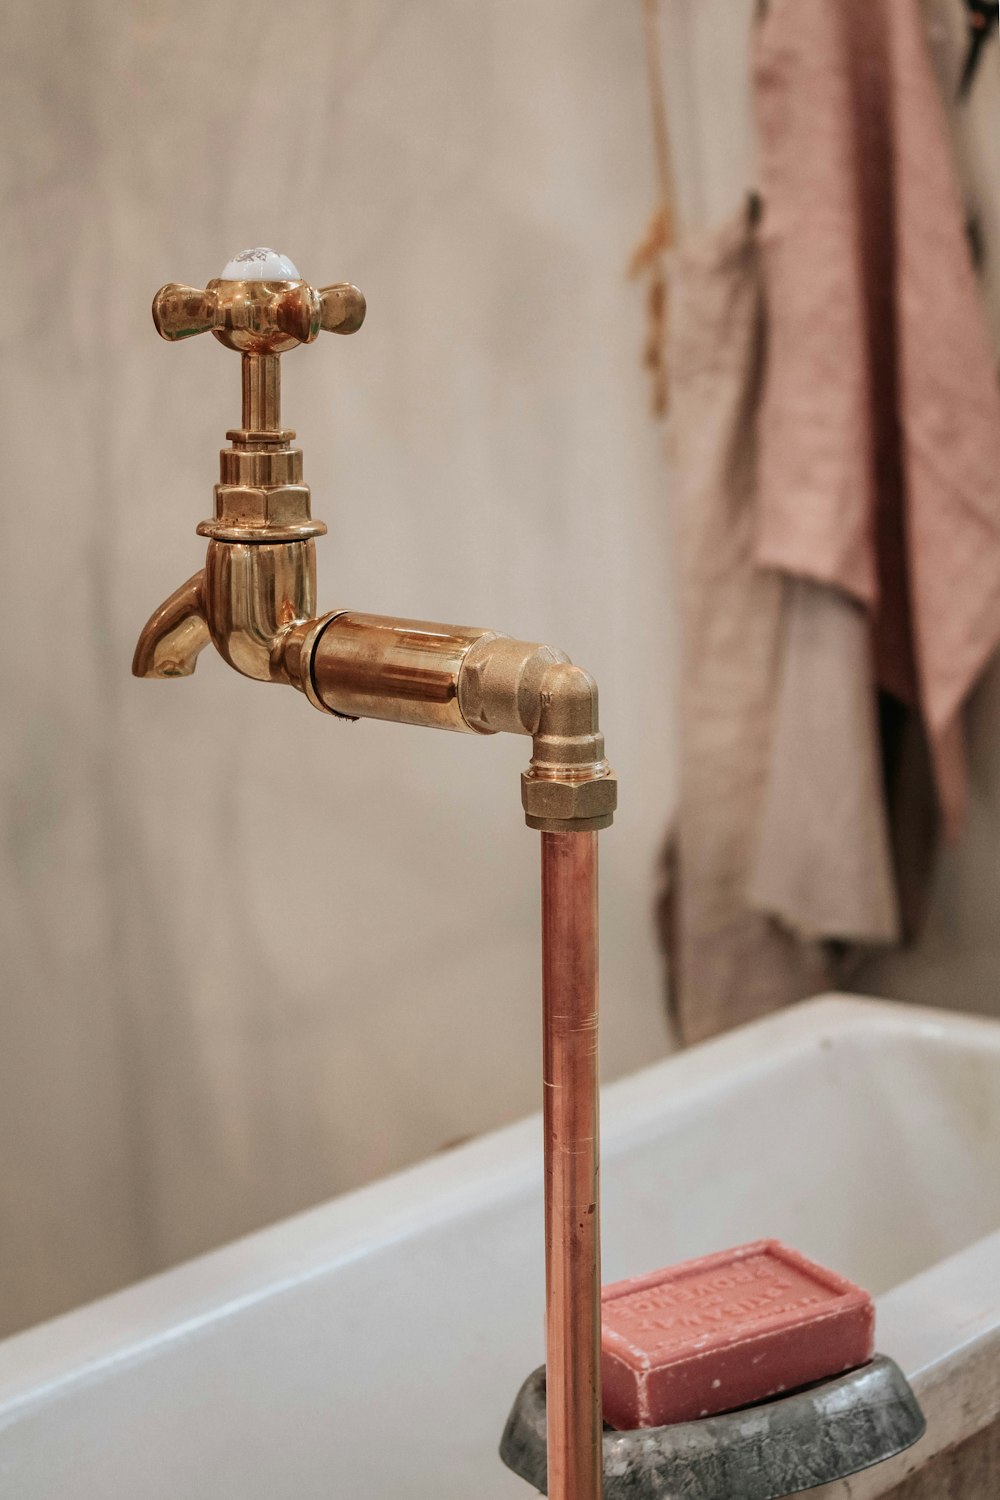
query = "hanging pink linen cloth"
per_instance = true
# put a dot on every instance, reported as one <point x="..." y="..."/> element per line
<point x="880" y="426"/>
<point x="860" y="469"/>
<point x="728" y="962"/>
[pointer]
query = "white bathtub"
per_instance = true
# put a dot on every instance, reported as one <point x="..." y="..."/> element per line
<point x="371" y="1348"/>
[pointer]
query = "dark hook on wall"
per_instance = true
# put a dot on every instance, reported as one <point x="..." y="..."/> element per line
<point x="984" y="18"/>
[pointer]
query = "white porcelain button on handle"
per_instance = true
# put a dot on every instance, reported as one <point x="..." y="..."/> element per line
<point x="260" y="264"/>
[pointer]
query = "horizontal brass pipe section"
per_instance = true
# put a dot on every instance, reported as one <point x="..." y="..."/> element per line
<point x="381" y="667"/>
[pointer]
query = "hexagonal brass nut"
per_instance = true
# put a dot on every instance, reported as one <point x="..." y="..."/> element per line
<point x="278" y="505"/>
<point x="583" y="805"/>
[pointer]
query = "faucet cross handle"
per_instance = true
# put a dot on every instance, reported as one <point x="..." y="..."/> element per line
<point x="259" y="305"/>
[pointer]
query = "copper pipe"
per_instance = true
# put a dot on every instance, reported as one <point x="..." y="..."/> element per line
<point x="572" y="1212"/>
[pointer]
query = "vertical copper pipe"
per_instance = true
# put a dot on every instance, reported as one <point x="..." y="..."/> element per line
<point x="572" y="1217"/>
<point x="261" y="392"/>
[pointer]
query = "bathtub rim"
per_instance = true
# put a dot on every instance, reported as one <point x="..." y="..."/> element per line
<point x="958" y="1384"/>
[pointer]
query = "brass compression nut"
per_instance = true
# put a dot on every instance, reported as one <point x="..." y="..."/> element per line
<point x="569" y="806"/>
<point x="247" y="513"/>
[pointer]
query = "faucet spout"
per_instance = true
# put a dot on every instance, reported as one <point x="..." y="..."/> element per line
<point x="174" y="634"/>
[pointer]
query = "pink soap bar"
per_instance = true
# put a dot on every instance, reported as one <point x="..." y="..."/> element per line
<point x="725" y="1331"/>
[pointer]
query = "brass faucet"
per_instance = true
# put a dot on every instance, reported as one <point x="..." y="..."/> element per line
<point x="255" y="600"/>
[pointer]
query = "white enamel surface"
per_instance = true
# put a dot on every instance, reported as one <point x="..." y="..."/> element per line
<point x="372" y="1347"/>
<point x="260" y="264"/>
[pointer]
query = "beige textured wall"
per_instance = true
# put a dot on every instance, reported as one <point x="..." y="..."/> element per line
<point x="248" y="957"/>
<point x="251" y="957"/>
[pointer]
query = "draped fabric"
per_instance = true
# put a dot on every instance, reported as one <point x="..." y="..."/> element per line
<point x="837" y="477"/>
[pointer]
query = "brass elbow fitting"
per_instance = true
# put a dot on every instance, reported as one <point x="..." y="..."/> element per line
<point x="536" y="690"/>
